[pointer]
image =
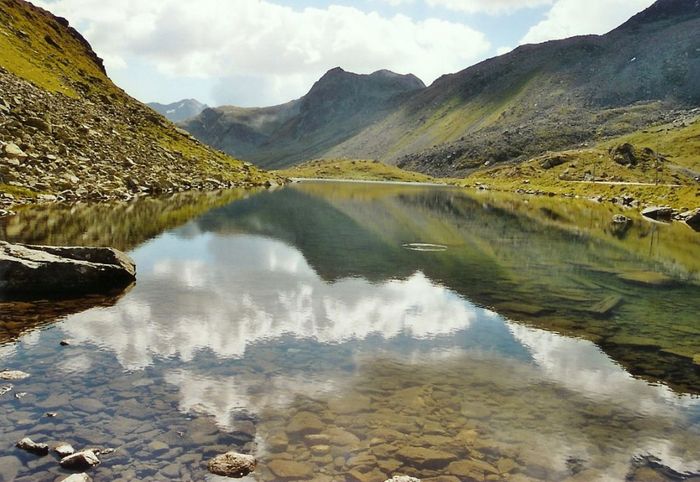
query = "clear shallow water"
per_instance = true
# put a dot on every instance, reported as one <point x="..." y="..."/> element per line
<point x="295" y="325"/>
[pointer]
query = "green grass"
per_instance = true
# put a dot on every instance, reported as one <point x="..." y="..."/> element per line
<point x="16" y="191"/>
<point x="26" y="50"/>
<point x="362" y="170"/>
<point x="680" y="145"/>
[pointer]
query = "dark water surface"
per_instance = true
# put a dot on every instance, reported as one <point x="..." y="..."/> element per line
<point x="354" y="332"/>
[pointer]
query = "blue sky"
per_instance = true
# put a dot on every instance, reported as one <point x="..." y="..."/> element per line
<point x="264" y="52"/>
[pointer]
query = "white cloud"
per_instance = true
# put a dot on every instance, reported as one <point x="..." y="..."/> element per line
<point x="503" y="50"/>
<point x="574" y="17"/>
<point x="492" y="7"/>
<point x="275" y="47"/>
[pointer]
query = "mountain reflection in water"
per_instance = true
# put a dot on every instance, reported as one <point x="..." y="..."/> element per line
<point x="305" y="301"/>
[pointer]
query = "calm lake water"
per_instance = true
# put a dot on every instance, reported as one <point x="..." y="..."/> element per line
<point x="354" y="332"/>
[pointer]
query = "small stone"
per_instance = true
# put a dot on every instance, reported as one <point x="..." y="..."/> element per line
<point x="20" y="395"/>
<point x="402" y="478"/>
<point x="13" y="375"/>
<point x="5" y="389"/>
<point x="80" y="460"/>
<point x="65" y="343"/>
<point x="14" y="152"/>
<point x="232" y="464"/>
<point x="30" y="446"/>
<point x="51" y="414"/>
<point x="425" y="457"/>
<point x="319" y="450"/>
<point x="305" y="423"/>
<point x="621" y="219"/>
<point x="77" y="478"/>
<point x="158" y="447"/>
<point x="289" y="469"/>
<point x="64" y="450"/>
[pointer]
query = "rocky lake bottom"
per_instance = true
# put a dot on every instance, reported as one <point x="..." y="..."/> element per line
<point x="539" y="343"/>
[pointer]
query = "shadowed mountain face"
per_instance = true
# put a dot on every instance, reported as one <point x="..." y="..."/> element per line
<point x="337" y="107"/>
<point x="543" y="97"/>
<point x="179" y="111"/>
<point x="550" y="96"/>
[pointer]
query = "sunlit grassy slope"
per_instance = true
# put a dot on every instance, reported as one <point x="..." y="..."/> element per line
<point x="362" y="170"/>
<point x="43" y="49"/>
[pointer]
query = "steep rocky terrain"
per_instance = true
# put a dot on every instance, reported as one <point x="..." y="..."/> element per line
<point x="179" y="111"/>
<point x="337" y="107"/>
<point x="557" y="95"/>
<point x="67" y="132"/>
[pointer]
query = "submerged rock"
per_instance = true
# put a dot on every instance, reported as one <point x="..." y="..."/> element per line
<point x="289" y="469"/>
<point x="605" y="307"/>
<point x="425" y="457"/>
<point x="36" y="270"/>
<point x="64" y="450"/>
<point x="80" y="460"/>
<point x="232" y="464"/>
<point x="77" y="478"/>
<point x="30" y="446"/>
<point x="13" y="375"/>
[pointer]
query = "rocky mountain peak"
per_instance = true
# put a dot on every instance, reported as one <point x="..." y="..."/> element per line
<point x="665" y="10"/>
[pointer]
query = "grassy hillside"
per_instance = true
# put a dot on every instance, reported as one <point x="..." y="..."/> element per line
<point x="68" y="132"/>
<point x="359" y="170"/>
<point x="552" y="96"/>
<point x="667" y="176"/>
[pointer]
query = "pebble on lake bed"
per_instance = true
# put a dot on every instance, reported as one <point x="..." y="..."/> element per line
<point x="30" y="446"/>
<point x="80" y="460"/>
<point x="64" y="450"/>
<point x="77" y="478"/>
<point x="232" y="464"/>
<point x="402" y="478"/>
<point x="13" y="375"/>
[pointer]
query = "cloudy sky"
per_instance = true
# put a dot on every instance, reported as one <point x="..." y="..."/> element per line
<point x="264" y="52"/>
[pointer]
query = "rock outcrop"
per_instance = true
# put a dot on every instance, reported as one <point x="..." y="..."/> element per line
<point x="28" y="271"/>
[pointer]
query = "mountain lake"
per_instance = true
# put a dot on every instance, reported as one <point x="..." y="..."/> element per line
<point x="347" y="331"/>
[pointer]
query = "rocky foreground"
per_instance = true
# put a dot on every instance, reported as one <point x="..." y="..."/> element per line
<point x="31" y="271"/>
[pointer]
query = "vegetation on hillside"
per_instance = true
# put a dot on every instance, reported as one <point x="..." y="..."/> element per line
<point x="666" y="176"/>
<point x="67" y="132"/>
<point x="353" y="169"/>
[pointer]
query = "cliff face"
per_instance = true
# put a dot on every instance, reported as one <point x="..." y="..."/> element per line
<point x="66" y="131"/>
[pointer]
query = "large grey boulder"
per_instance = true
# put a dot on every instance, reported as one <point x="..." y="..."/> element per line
<point x="39" y="270"/>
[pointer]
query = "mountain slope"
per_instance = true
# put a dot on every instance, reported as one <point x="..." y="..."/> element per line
<point x="66" y="131"/>
<point x="338" y="106"/>
<point x="179" y="111"/>
<point x="557" y="95"/>
<point x="549" y="96"/>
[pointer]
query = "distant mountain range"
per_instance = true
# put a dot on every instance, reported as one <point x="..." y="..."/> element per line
<point x="179" y="111"/>
<point x="340" y="105"/>
<point x="556" y="95"/>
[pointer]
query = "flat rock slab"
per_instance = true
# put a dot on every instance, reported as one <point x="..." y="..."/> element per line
<point x="28" y="271"/>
